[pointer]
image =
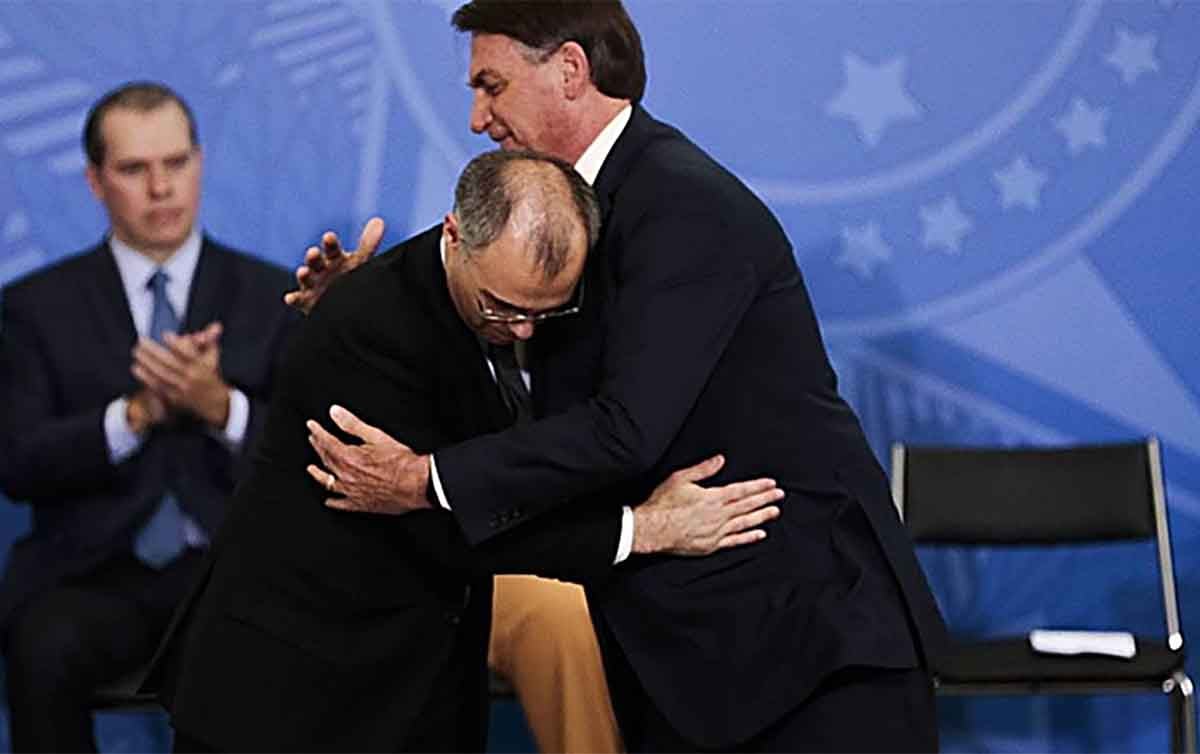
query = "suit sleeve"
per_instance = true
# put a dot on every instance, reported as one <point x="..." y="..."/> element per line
<point x="359" y="352"/>
<point x="44" y="455"/>
<point x="571" y="543"/>
<point x="684" y="291"/>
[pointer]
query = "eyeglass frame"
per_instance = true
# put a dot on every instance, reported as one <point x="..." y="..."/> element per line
<point x="571" y="307"/>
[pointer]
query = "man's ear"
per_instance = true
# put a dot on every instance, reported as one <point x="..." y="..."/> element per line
<point x="576" y="70"/>
<point x="92" y="174"/>
<point x="450" y="233"/>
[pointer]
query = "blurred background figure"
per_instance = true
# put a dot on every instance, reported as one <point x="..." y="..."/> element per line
<point x="123" y="434"/>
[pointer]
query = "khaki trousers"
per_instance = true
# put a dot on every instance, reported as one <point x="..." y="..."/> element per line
<point x="543" y="643"/>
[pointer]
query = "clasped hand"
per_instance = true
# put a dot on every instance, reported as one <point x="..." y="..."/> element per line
<point x="181" y="374"/>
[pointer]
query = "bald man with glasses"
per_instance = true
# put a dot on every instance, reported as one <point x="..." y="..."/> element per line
<point x="316" y="629"/>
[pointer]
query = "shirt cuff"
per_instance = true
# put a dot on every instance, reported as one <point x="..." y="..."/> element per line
<point x="235" y="424"/>
<point x="625" y="543"/>
<point x="437" y="483"/>
<point x="122" y="441"/>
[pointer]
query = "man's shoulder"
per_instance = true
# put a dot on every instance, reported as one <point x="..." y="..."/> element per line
<point x="50" y="281"/>
<point x="670" y="178"/>
<point x="406" y="257"/>
<point x="247" y="265"/>
<point x="413" y="264"/>
<point x="664" y="164"/>
<point x="397" y="281"/>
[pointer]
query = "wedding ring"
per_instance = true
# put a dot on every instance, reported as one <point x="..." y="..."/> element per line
<point x="329" y="482"/>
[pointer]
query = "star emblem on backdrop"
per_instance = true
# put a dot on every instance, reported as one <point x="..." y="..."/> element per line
<point x="1020" y="184"/>
<point x="874" y="97"/>
<point x="863" y="249"/>
<point x="1082" y="126"/>
<point x="1133" y="55"/>
<point x="944" y="225"/>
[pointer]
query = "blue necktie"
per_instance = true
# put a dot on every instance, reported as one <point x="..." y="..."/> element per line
<point x="162" y="538"/>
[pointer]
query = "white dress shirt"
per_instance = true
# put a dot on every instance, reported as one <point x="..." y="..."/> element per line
<point x="135" y="270"/>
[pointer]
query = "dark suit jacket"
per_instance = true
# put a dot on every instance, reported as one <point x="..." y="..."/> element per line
<point x="697" y="336"/>
<point x="319" y="629"/>
<point x="66" y="339"/>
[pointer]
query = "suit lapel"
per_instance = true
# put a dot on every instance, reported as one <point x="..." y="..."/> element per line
<point x="107" y="304"/>
<point x="638" y="132"/>
<point x="565" y="336"/>
<point x="213" y="288"/>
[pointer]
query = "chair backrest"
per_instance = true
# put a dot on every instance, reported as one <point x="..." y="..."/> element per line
<point x="1011" y="496"/>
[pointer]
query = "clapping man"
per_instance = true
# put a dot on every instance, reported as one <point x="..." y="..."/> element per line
<point x="123" y="435"/>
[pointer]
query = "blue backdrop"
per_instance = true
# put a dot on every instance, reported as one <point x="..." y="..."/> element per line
<point x="994" y="204"/>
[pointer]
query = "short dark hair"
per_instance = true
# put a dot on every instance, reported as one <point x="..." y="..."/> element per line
<point x="142" y="96"/>
<point x="601" y="27"/>
<point x="496" y="182"/>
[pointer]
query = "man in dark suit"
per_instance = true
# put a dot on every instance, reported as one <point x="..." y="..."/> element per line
<point x="126" y="460"/>
<point x="697" y="334"/>
<point x="321" y="630"/>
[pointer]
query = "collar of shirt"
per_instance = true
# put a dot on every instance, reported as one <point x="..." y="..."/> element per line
<point x="136" y="268"/>
<point x="589" y="163"/>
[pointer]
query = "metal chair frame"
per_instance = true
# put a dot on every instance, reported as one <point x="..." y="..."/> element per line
<point x="1178" y="686"/>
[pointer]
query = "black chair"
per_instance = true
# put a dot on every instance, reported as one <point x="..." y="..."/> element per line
<point x="1052" y="496"/>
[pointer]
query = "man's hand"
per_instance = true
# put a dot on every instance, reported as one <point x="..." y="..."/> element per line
<point x="186" y="371"/>
<point x="329" y="262"/>
<point x="379" y="476"/>
<point x="144" y="410"/>
<point x="682" y="518"/>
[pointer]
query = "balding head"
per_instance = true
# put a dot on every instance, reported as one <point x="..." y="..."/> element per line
<point x="541" y="199"/>
<point x="517" y="240"/>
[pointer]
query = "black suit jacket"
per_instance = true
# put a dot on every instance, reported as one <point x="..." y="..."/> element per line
<point x="66" y="340"/>
<point x="697" y="336"/>
<point x="319" y="629"/>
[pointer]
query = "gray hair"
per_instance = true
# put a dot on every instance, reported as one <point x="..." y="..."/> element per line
<point x="495" y="183"/>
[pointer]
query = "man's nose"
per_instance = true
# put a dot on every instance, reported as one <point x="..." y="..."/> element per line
<point x="481" y="114"/>
<point x="521" y="330"/>
<point x="160" y="182"/>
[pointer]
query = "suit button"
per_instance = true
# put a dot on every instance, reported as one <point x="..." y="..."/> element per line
<point x="453" y="618"/>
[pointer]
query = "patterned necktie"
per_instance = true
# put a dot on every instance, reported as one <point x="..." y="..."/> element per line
<point x="161" y="539"/>
<point x="508" y="379"/>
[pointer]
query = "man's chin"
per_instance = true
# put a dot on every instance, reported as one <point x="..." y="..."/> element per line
<point x="161" y="240"/>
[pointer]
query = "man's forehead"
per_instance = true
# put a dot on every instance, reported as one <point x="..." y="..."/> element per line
<point x="166" y="122"/>
<point x="495" y="54"/>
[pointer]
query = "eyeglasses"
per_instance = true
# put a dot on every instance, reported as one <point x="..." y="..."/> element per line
<point x="514" y="318"/>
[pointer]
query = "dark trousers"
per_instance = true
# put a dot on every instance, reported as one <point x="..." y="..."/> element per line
<point x="855" y="709"/>
<point x="185" y="744"/>
<point x="61" y="644"/>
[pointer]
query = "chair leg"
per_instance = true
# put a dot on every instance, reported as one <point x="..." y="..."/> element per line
<point x="1183" y="713"/>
